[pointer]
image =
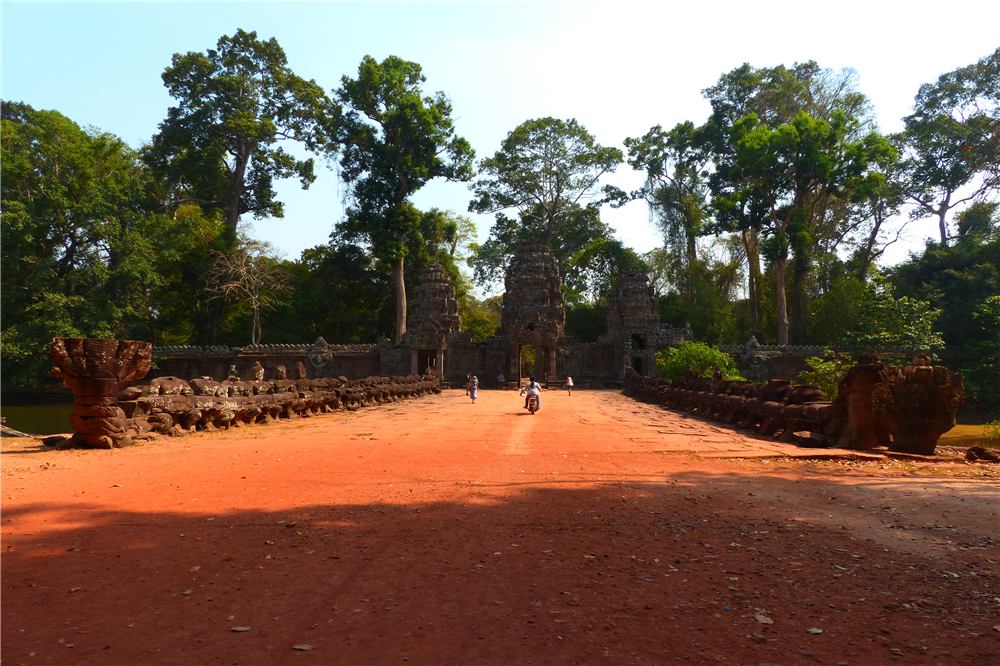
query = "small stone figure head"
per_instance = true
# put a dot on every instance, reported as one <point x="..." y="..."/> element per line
<point x="258" y="372"/>
<point x="233" y="375"/>
<point x="301" y="370"/>
<point x="281" y="373"/>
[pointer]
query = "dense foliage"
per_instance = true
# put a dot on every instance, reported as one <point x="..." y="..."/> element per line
<point x="701" y="358"/>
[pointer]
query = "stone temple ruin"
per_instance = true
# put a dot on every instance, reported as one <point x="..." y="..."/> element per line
<point x="904" y="409"/>
<point x="533" y="315"/>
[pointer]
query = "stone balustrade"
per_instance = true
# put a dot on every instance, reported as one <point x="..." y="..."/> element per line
<point x="903" y="409"/>
<point x="170" y="405"/>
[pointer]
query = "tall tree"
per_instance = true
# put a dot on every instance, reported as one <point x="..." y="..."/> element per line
<point x="219" y="146"/>
<point x="776" y="95"/>
<point x="675" y="188"/>
<point x="395" y="140"/>
<point x="794" y="169"/>
<point x="952" y="140"/>
<point x="80" y="238"/>
<point x="546" y="169"/>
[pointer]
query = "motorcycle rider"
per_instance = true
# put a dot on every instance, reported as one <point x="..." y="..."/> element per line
<point x="532" y="388"/>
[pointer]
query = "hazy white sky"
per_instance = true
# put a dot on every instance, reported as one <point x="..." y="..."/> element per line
<point x="618" y="68"/>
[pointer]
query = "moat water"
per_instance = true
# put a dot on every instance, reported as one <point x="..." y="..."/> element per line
<point x="38" y="419"/>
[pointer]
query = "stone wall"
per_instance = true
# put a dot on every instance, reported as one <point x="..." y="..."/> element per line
<point x="761" y="363"/>
<point x="320" y="359"/>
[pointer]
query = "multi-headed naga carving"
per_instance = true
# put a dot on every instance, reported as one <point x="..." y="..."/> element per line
<point x="97" y="371"/>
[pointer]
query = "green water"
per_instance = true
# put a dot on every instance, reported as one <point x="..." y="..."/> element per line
<point x="38" y="419"/>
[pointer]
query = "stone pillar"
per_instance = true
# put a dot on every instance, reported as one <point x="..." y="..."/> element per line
<point x="540" y="362"/>
<point x="550" y="353"/>
<point x="440" y="364"/>
<point x="515" y="364"/>
<point x="414" y="355"/>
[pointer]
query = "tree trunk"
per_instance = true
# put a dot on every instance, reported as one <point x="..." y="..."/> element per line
<point x="215" y="308"/>
<point x="753" y="270"/>
<point x="866" y="259"/>
<point x="397" y="276"/>
<point x="779" y="269"/>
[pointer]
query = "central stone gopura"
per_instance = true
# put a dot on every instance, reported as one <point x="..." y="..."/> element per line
<point x="533" y="310"/>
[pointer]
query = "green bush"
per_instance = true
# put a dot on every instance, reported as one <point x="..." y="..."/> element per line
<point x="825" y="372"/>
<point x="702" y="358"/>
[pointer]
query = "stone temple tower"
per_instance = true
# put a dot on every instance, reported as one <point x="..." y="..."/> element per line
<point x="533" y="310"/>
<point x="433" y="319"/>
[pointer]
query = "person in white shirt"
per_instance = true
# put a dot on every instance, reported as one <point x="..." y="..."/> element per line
<point x="568" y="385"/>
<point x="530" y="389"/>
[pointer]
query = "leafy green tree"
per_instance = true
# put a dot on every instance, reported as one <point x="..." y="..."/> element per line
<point x="80" y="240"/>
<point x="675" y="189"/>
<point x="339" y="292"/>
<point x="394" y="140"/>
<point x="219" y="146"/>
<point x="701" y="294"/>
<point x="955" y="280"/>
<point x="887" y="322"/>
<point x="825" y="372"/>
<point x="480" y="319"/>
<point x="184" y="310"/>
<point x="952" y="140"/>
<point x="585" y="321"/>
<point x="982" y="374"/>
<point x="777" y="95"/>
<point x="700" y="357"/>
<point x="794" y="169"/>
<point x="547" y="170"/>
<point x="979" y="220"/>
<point x="836" y="312"/>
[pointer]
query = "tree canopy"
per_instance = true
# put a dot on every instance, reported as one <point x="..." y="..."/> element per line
<point x="546" y="169"/>
<point x="219" y="146"/>
<point x="952" y="140"/>
<point x="395" y="140"/>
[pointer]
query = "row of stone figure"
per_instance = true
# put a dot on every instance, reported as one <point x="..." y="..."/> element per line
<point x="169" y="405"/>
<point x="904" y="409"/>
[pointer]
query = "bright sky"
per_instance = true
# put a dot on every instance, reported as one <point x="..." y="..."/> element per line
<point x="618" y="68"/>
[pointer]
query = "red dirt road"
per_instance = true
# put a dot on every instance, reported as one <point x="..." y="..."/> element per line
<point x="441" y="532"/>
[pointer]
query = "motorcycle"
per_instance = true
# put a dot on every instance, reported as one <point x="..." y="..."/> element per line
<point x="532" y="404"/>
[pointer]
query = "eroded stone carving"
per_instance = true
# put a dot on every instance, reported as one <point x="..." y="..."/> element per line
<point x="97" y="371"/>
<point x="172" y="405"/>
<point x="434" y="311"/>
<point x="917" y="404"/>
<point x="903" y="409"/>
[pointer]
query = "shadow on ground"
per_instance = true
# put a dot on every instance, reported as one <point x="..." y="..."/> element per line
<point x="693" y="567"/>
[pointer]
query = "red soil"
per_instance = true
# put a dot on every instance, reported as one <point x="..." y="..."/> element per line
<point x="441" y="532"/>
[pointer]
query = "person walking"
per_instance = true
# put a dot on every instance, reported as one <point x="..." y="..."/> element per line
<point x="500" y="380"/>
<point x="474" y="388"/>
<point x="569" y="385"/>
<point x="468" y="382"/>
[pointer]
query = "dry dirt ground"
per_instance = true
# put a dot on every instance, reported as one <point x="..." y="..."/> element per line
<point x="598" y="531"/>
